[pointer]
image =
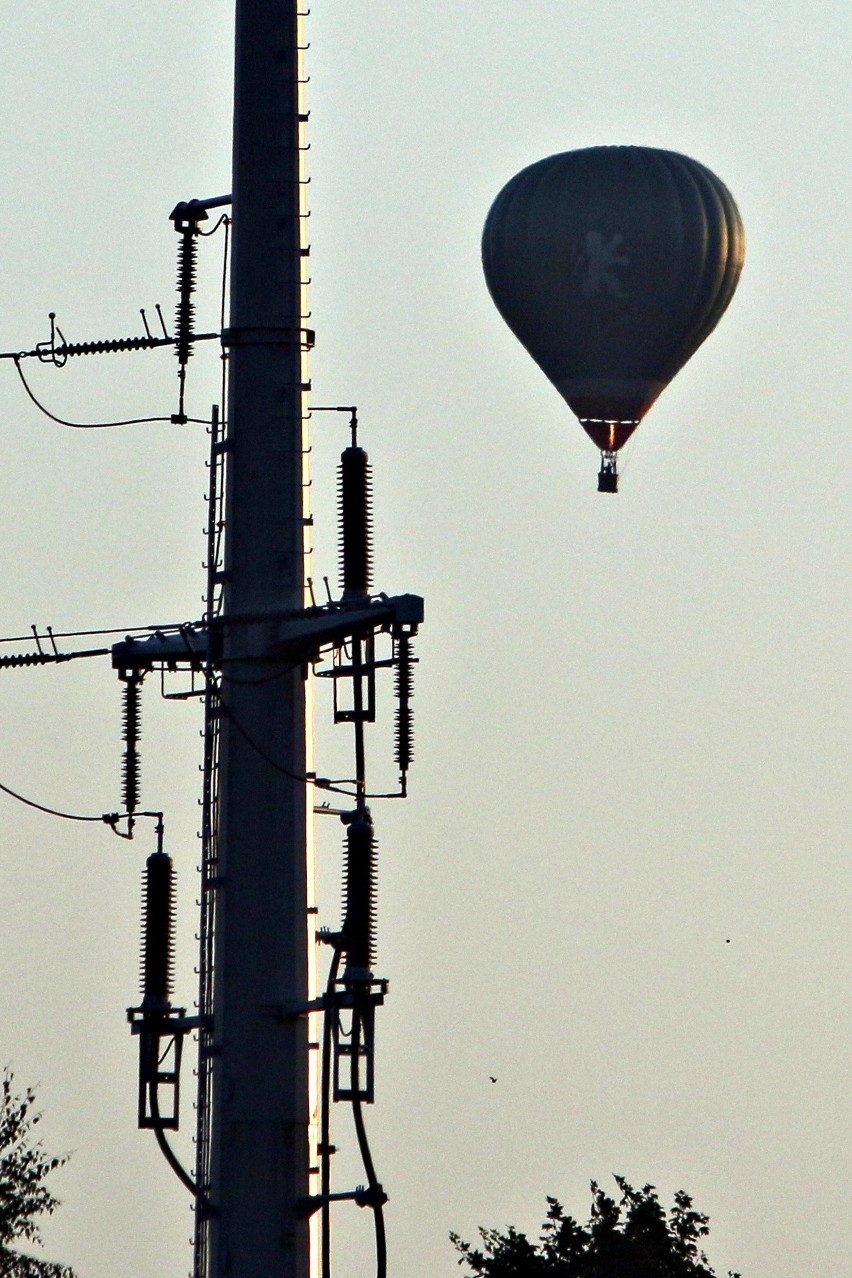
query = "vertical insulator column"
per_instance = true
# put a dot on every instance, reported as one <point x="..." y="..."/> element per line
<point x="359" y="900"/>
<point x="355" y="502"/>
<point x="158" y="932"/>
<point x="404" y="743"/>
<point x="186" y="280"/>
<point x="185" y="310"/>
<point x="130" y="758"/>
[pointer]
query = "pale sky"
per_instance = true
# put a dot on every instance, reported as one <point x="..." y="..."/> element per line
<point x="621" y="883"/>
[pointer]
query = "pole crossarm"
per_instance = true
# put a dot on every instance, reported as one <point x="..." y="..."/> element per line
<point x="303" y="637"/>
<point x="296" y="636"/>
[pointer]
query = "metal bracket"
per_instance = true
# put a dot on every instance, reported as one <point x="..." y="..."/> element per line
<point x="374" y="990"/>
<point x="292" y="1011"/>
<point x="363" y="1196"/>
<point x="160" y="1068"/>
<point x="165" y="1023"/>
<point x="196" y="210"/>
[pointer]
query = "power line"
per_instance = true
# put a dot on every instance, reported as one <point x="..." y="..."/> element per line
<point x="61" y="421"/>
<point x="108" y="818"/>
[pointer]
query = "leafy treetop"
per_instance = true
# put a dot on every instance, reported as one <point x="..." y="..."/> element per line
<point x="23" y="1195"/>
<point x="632" y="1237"/>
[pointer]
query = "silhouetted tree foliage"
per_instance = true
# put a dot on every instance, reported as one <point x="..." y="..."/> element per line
<point x="632" y="1237"/>
<point x="23" y="1195"/>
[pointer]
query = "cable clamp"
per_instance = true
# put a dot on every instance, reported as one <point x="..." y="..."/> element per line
<point x="256" y="335"/>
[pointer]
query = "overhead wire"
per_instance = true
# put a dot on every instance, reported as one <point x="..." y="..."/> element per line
<point x="61" y="421"/>
<point x="106" y="818"/>
<point x="129" y="421"/>
<point x="131" y="631"/>
<point x="110" y="819"/>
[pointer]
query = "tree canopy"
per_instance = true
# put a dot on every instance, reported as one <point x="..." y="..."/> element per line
<point x="629" y="1237"/>
<point x="24" y="1165"/>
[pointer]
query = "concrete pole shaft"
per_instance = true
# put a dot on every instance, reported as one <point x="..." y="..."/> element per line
<point x="261" y="1128"/>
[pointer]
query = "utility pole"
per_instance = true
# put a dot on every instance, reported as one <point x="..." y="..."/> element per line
<point x="262" y="1144"/>
<point x="263" y="1182"/>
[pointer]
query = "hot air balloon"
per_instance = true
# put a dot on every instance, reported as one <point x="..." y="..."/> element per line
<point x="611" y="265"/>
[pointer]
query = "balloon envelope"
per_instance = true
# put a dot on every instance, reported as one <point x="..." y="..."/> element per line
<point x="611" y="265"/>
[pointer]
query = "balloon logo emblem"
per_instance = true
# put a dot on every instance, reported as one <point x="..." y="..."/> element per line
<point x="597" y="265"/>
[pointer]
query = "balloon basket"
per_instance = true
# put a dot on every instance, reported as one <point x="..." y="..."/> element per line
<point x="608" y="474"/>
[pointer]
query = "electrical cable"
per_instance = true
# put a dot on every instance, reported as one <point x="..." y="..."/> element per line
<point x="129" y="421"/>
<point x="213" y="229"/>
<point x="164" y="628"/>
<point x="322" y="783"/>
<point x="108" y="818"/>
<point x="225" y="257"/>
<point x="130" y="631"/>
<point x="377" y="1194"/>
<point x="170" y="1155"/>
<point x="325" y="1113"/>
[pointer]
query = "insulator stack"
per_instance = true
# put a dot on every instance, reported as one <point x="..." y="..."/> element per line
<point x="404" y="751"/>
<point x="356" y="551"/>
<point x="29" y="659"/>
<point x="359" y="900"/>
<point x="157" y="932"/>
<point x="130" y="760"/>
<point x="186" y="277"/>
<point x="110" y="346"/>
